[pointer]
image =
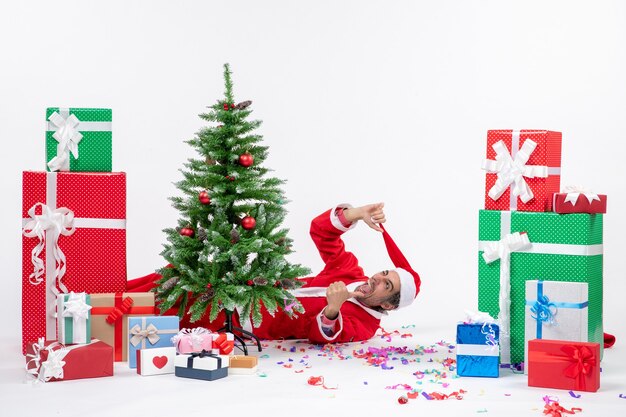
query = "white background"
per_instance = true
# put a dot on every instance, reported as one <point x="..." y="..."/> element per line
<point x="361" y="101"/>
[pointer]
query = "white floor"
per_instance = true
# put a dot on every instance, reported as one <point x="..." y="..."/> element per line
<point x="280" y="387"/>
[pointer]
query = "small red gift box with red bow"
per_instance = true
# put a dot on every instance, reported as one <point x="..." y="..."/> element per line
<point x="563" y="364"/>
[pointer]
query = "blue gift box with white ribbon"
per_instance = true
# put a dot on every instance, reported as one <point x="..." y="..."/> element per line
<point x="556" y="310"/>
<point x="148" y="332"/>
<point x="478" y="350"/>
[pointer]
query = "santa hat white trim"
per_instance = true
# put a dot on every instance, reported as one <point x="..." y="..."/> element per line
<point x="407" y="287"/>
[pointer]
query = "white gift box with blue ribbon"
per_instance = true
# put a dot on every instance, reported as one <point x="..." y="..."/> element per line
<point x="557" y="311"/>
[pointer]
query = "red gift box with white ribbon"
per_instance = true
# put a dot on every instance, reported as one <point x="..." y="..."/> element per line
<point x="51" y="361"/>
<point x="74" y="239"/>
<point x="576" y="199"/>
<point x="523" y="169"/>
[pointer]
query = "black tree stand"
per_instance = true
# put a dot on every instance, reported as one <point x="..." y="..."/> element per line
<point x="228" y="327"/>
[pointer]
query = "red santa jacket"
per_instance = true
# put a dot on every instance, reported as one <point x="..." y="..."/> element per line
<point x="355" y="322"/>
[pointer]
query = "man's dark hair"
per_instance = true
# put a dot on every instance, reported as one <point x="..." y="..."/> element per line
<point x="394" y="300"/>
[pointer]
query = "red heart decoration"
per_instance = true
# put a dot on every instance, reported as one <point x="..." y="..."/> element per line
<point x="159" y="361"/>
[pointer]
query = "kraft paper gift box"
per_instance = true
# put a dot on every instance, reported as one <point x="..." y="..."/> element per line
<point x="74" y="239"/>
<point x="242" y="365"/>
<point x="74" y="318"/>
<point x="579" y="200"/>
<point x="523" y="169"/>
<point x="193" y="340"/>
<point x="109" y="317"/>
<point x="157" y="361"/>
<point x="561" y="247"/>
<point x="79" y="140"/>
<point x="477" y="350"/>
<point x="564" y="365"/>
<point x="556" y="311"/>
<point x="203" y="365"/>
<point x="148" y="333"/>
<point x="51" y="361"/>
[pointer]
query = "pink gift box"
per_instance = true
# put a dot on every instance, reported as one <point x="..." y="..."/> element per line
<point x="193" y="340"/>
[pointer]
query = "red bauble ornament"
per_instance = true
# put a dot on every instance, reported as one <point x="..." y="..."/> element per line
<point x="187" y="231"/>
<point x="248" y="222"/>
<point x="230" y="178"/>
<point x="225" y="106"/>
<point x="250" y="283"/>
<point x="277" y="284"/>
<point x="246" y="159"/>
<point x="204" y="197"/>
<point x="403" y="400"/>
<point x="209" y="285"/>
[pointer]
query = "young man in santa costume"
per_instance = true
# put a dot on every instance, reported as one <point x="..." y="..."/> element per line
<point x="341" y="303"/>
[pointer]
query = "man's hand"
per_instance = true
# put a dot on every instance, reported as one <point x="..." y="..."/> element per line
<point x="371" y="214"/>
<point x="336" y="295"/>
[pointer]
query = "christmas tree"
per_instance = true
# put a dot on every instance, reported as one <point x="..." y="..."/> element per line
<point x="229" y="250"/>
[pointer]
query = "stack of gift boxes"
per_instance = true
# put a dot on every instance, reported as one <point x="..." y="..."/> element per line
<point x="540" y="265"/>
<point x="76" y="318"/>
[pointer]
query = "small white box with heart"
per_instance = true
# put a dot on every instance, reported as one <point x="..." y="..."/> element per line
<point x="157" y="361"/>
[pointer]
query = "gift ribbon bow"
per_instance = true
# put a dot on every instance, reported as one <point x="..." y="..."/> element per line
<point x="203" y="354"/>
<point x="555" y="410"/>
<point x="511" y="171"/>
<point x="67" y="135"/>
<point x="512" y="242"/>
<point x="543" y="310"/>
<point x="150" y="333"/>
<point x="51" y="224"/>
<point x="573" y="192"/>
<point x="76" y="307"/>
<point x="118" y="312"/>
<point x="225" y="346"/>
<point x="582" y="362"/>
<point x="52" y="367"/>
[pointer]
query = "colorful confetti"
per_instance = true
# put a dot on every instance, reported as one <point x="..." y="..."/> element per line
<point x="574" y="395"/>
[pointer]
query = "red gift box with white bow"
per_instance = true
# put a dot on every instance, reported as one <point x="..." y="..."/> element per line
<point x="74" y="239"/>
<point x="523" y="169"/>
<point x="564" y="365"/>
<point x="579" y="200"/>
<point x="51" y="361"/>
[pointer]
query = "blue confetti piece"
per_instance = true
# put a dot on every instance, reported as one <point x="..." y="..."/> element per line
<point x="293" y="349"/>
<point x="290" y="360"/>
<point x="574" y="395"/>
<point x="404" y="361"/>
<point x="384" y="366"/>
<point x="622" y="396"/>
<point x="279" y="363"/>
<point x="264" y="356"/>
<point x="364" y="382"/>
<point x="428" y="397"/>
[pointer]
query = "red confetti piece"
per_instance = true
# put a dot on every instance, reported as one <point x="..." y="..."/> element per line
<point x="555" y="410"/>
<point x="412" y="395"/>
<point x="403" y="400"/>
<point x="317" y="381"/>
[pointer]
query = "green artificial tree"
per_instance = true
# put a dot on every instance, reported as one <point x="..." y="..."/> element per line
<point x="229" y="250"/>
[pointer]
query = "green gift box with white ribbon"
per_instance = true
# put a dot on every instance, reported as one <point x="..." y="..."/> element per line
<point x="515" y="247"/>
<point x="74" y="318"/>
<point x="79" y="140"/>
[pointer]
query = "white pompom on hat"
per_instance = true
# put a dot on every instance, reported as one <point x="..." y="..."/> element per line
<point x="409" y="279"/>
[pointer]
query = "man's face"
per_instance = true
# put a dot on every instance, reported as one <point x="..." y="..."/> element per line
<point x="379" y="288"/>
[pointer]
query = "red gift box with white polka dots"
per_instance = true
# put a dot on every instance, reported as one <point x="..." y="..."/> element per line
<point x="540" y="172"/>
<point x="89" y="255"/>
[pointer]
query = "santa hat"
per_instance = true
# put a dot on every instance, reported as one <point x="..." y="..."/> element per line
<point x="409" y="279"/>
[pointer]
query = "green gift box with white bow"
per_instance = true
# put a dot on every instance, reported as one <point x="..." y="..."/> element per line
<point x="79" y="140"/>
<point x="74" y="318"/>
<point x="547" y="246"/>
